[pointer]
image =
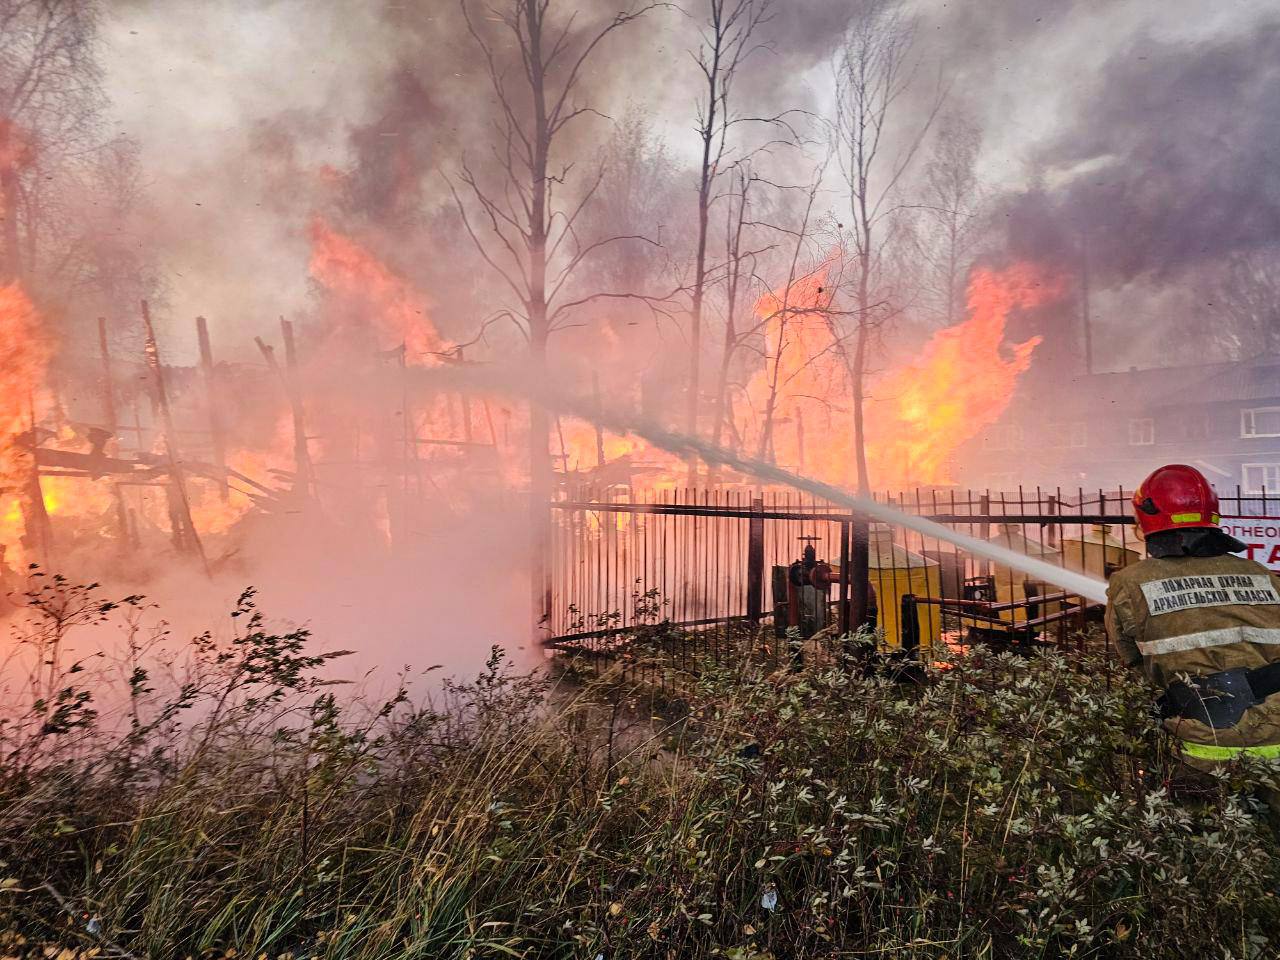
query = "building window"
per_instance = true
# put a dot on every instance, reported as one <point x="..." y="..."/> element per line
<point x="1142" y="433"/>
<point x="1005" y="437"/>
<point x="1067" y="434"/>
<point x="1260" y="422"/>
<point x="1195" y="426"/>
<point x="1260" y="476"/>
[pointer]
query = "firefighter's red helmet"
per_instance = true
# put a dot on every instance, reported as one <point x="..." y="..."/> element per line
<point x="1173" y="498"/>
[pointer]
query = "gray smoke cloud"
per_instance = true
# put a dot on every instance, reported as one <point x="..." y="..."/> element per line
<point x="1151" y="129"/>
<point x="1169" y="159"/>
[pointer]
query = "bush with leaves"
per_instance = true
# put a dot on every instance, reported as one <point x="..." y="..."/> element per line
<point x="1001" y="807"/>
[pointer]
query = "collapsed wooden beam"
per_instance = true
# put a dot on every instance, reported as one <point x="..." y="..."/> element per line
<point x="301" y="455"/>
<point x="304" y="479"/>
<point x="185" y="537"/>
<point x="210" y="375"/>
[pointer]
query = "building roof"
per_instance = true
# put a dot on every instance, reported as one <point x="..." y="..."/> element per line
<point x="1243" y="380"/>
<point x="1259" y="380"/>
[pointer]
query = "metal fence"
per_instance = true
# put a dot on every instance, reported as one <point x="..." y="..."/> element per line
<point x="701" y="561"/>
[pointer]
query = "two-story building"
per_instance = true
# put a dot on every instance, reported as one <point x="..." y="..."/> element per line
<point x="1107" y="430"/>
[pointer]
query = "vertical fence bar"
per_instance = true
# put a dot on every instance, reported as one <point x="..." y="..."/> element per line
<point x="842" y="611"/>
<point x="910" y="626"/>
<point x="755" y="564"/>
<point x="859" y="573"/>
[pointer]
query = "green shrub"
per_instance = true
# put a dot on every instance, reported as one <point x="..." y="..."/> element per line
<point x="1004" y="807"/>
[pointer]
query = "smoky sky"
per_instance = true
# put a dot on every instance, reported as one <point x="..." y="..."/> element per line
<point x="1177" y="148"/>
<point x="1151" y="129"/>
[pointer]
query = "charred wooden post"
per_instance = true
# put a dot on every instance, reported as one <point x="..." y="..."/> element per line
<point x="843" y="586"/>
<point x="488" y="419"/>
<point x="137" y="423"/>
<point x="37" y="530"/>
<point x="125" y="531"/>
<point x="599" y="404"/>
<point x="301" y="454"/>
<point x="755" y="563"/>
<point x="564" y="450"/>
<point x="108" y="382"/>
<point x="54" y="381"/>
<point x="303" y="469"/>
<point x="859" y="574"/>
<point x="210" y="377"/>
<point x="185" y="537"/>
<point x="465" y="398"/>
<point x="909" y="618"/>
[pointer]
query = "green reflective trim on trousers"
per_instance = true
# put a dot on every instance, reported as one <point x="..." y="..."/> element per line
<point x="1207" y="751"/>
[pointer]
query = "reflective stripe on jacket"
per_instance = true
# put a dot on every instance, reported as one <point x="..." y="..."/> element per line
<point x="1192" y="616"/>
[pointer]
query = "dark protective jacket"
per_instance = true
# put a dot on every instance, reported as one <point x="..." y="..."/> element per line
<point x="1187" y="616"/>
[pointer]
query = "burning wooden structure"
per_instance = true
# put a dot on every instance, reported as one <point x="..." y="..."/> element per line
<point x="157" y="450"/>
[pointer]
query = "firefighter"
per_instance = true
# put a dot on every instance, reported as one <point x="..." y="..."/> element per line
<point x="1203" y="624"/>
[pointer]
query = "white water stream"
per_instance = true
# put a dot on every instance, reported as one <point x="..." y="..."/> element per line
<point x="513" y="380"/>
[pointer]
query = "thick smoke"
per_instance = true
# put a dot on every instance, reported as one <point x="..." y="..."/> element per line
<point x="1149" y="131"/>
<point x="1166" y="162"/>
<point x="1144" y="134"/>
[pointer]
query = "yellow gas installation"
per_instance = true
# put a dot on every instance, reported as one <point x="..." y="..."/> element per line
<point x="802" y="591"/>
<point x="894" y="572"/>
<point x="1011" y="586"/>
<point x="1098" y="552"/>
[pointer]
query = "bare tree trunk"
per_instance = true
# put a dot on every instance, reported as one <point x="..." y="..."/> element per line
<point x="871" y="74"/>
<point x="598" y="401"/>
<point x="541" y="490"/>
<point x="720" y="404"/>
<point x="953" y="254"/>
<point x="764" y="448"/>
<point x="860" y="533"/>
<point x="951" y="196"/>
<point x="541" y="479"/>
<point x="531" y="234"/>
<point x="858" y="385"/>
<point x="11" y="265"/>
<point x="705" y="178"/>
<point x="727" y="43"/>
<point x="733" y="263"/>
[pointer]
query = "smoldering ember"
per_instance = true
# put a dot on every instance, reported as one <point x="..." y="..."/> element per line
<point x="755" y="479"/>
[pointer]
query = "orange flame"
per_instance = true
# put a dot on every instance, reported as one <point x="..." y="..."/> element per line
<point x="397" y="310"/>
<point x="581" y="450"/>
<point x="804" y="380"/>
<point x="918" y="415"/>
<point x="210" y="513"/>
<point x="23" y="366"/>
<point x="961" y="383"/>
<point x="24" y="363"/>
<point x="17" y="149"/>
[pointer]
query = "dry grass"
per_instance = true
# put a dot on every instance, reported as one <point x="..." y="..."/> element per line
<point x="1006" y="808"/>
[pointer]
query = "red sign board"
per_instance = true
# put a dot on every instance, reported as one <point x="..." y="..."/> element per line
<point x="1260" y="534"/>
